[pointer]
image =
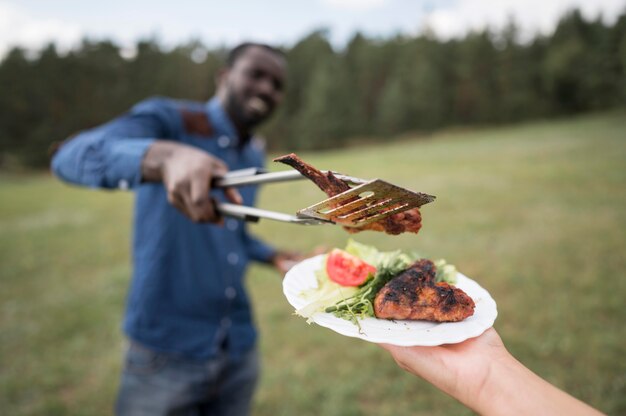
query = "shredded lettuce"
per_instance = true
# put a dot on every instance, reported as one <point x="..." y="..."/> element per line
<point x="326" y="293"/>
<point x="368" y="254"/>
<point x="445" y="272"/>
<point x="378" y="258"/>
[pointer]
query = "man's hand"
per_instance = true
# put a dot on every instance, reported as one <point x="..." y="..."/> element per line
<point x="186" y="173"/>
<point x="284" y="260"/>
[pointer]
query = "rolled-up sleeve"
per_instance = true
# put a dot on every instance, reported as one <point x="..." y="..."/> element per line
<point x="110" y="156"/>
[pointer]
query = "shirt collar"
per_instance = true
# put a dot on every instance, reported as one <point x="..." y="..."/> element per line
<point x="221" y="122"/>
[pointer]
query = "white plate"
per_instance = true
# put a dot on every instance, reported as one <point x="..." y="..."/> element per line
<point x="405" y="333"/>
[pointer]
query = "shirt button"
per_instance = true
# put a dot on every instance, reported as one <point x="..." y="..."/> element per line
<point x="223" y="141"/>
<point x="232" y="258"/>
<point x="230" y="293"/>
<point x="226" y="322"/>
<point x="232" y="224"/>
<point x="123" y="184"/>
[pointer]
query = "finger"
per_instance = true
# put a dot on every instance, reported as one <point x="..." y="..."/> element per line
<point x="320" y="250"/>
<point x="181" y="194"/>
<point x="178" y="203"/>
<point x="233" y="195"/>
<point x="199" y="190"/>
<point x="297" y="256"/>
<point x="218" y="168"/>
<point x="402" y="353"/>
<point x="284" y="262"/>
<point x="200" y="202"/>
<point x="198" y="212"/>
<point x="219" y="218"/>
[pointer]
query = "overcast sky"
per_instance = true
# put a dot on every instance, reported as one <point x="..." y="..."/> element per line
<point x="33" y="23"/>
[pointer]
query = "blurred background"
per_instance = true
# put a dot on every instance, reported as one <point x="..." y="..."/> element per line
<point x="513" y="113"/>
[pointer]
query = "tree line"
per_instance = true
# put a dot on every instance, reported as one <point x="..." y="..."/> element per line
<point x="371" y="89"/>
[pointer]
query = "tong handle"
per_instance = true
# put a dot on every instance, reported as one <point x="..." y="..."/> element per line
<point x="254" y="176"/>
<point x="246" y="213"/>
<point x="258" y="176"/>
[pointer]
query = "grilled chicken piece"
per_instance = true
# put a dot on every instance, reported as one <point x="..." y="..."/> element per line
<point x="414" y="295"/>
<point x="328" y="182"/>
<point x="407" y="221"/>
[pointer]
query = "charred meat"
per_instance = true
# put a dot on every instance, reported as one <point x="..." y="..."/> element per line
<point x="327" y="182"/>
<point x="414" y="295"/>
<point x="407" y="221"/>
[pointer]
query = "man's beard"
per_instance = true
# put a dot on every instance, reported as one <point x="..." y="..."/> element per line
<point x="241" y="115"/>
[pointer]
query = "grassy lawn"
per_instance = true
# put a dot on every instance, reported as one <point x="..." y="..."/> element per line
<point x="536" y="213"/>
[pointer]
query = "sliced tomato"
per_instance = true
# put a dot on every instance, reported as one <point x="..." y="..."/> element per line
<point x="346" y="269"/>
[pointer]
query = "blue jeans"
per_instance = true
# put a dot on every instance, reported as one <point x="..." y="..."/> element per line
<point x="154" y="383"/>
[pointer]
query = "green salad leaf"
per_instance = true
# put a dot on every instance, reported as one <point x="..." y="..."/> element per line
<point x="326" y="293"/>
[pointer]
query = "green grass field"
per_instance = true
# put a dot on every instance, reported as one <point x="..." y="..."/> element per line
<point x="536" y="213"/>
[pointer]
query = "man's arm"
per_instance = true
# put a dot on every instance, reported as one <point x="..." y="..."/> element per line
<point x="110" y="155"/>
<point x="129" y="150"/>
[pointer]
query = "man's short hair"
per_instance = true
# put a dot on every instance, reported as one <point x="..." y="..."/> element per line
<point x="238" y="50"/>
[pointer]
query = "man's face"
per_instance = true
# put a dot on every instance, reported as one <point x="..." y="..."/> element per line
<point x="253" y="87"/>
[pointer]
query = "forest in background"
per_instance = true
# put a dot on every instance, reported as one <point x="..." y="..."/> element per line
<point x="372" y="89"/>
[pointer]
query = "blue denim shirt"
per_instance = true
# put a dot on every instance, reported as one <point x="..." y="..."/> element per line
<point x="187" y="291"/>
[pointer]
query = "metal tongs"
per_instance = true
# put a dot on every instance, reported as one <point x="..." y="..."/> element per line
<point x="366" y="202"/>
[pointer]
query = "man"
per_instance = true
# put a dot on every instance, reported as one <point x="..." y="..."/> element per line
<point x="192" y="340"/>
